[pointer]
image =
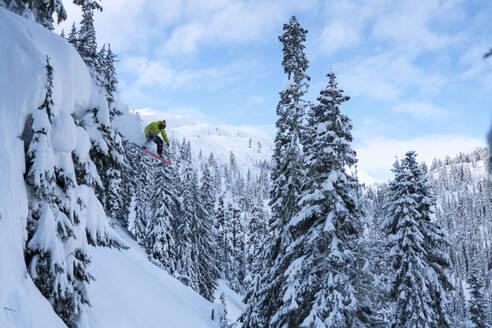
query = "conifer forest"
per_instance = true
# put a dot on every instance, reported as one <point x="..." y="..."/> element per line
<point x="231" y="225"/>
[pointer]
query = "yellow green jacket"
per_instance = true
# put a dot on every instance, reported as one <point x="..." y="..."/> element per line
<point x="153" y="130"/>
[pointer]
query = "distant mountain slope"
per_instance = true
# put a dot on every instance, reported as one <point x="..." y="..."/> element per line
<point x="219" y="139"/>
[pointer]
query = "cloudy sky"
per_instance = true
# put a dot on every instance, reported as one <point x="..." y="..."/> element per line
<point x="414" y="69"/>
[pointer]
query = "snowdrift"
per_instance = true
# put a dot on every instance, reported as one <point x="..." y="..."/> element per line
<point x="129" y="291"/>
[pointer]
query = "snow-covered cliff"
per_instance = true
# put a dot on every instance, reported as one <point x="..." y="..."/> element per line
<point x="128" y="290"/>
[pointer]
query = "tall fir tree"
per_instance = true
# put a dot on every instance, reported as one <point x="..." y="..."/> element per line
<point x="111" y="82"/>
<point x="73" y="36"/>
<point x="264" y="302"/>
<point x="204" y="240"/>
<point x="478" y="303"/>
<point x="221" y="236"/>
<point x="164" y="202"/>
<point x="161" y="236"/>
<point x="108" y="154"/>
<point x="100" y="68"/>
<point x="87" y="45"/>
<point x="421" y="281"/>
<point x="215" y="171"/>
<point x="187" y="271"/>
<point x="139" y="189"/>
<point x="208" y="191"/>
<point x="328" y="282"/>
<point x="237" y="247"/>
<point x="256" y="235"/>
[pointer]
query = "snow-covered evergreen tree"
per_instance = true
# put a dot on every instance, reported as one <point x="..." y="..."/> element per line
<point x="221" y="233"/>
<point x="215" y="171"/>
<point x="421" y="282"/>
<point x="204" y="244"/>
<point x="138" y="188"/>
<point x="108" y="155"/>
<point x="164" y="203"/>
<point x="110" y="82"/>
<point x="256" y="235"/>
<point x="197" y="264"/>
<point x="87" y="45"/>
<point x="56" y="252"/>
<point x="73" y="36"/>
<point x="47" y="231"/>
<point x="224" y="321"/>
<point x="99" y="68"/>
<point x="208" y="191"/>
<point x="187" y="271"/>
<point x="41" y="11"/>
<point x="236" y="244"/>
<point x="20" y="7"/>
<point x="328" y="283"/>
<point x="286" y="183"/>
<point x="85" y="169"/>
<point x="478" y="303"/>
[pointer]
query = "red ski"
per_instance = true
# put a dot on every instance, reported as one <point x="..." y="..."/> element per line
<point x="159" y="158"/>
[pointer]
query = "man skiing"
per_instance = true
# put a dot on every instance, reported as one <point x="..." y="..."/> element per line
<point x="152" y="133"/>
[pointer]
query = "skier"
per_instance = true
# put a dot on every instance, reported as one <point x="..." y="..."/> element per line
<point x="152" y="133"/>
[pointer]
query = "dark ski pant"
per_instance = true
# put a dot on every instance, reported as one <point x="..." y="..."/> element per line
<point x="158" y="141"/>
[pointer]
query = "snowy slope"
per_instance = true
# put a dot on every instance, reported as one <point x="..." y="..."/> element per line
<point x="221" y="140"/>
<point x="128" y="291"/>
<point x="132" y="292"/>
<point x="22" y="58"/>
<point x="234" y="302"/>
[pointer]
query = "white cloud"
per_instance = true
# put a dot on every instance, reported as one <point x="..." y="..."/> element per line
<point x="126" y="24"/>
<point x="410" y="25"/>
<point x="386" y="76"/>
<point x="184" y="39"/>
<point x="377" y="155"/>
<point x="406" y="25"/>
<point x="337" y="36"/>
<point x="476" y="68"/>
<point x="162" y="74"/>
<point x="256" y="99"/>
<point x="146" y="76"/>
<point x="178" y="27"/>
<point x="387" y="38"/>
<point x="150" y="72"/>
<point x="421" y="110"/>
<point x="347" y="21"/>
<point x="233" y="21"/>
